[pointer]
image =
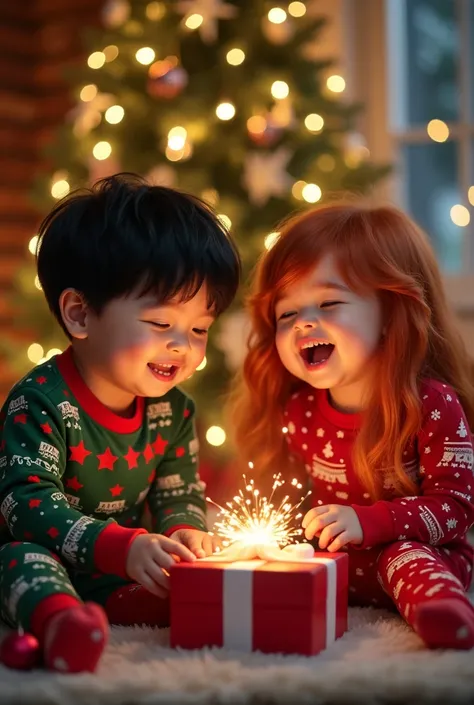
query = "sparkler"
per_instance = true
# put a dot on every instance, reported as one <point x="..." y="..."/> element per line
<point x="254" y="520"/>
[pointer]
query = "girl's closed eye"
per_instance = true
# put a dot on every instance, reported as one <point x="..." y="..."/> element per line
<point x="330" y="304"/>
<point x="161" y="326"/>
<point x="201" y="331"/>
<point x="286" y="314"/>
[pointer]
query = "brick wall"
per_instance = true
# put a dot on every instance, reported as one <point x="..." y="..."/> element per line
<point x="37" y="39"/>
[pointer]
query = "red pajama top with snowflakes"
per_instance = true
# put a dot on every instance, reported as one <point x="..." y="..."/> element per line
<point x="440" y="461"/>
<point x="74" y="476"/>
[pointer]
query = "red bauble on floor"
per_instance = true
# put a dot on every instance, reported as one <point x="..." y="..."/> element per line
<point x="20" y="651"/>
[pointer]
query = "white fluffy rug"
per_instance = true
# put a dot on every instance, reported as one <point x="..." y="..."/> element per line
<point x="379" y="660"/>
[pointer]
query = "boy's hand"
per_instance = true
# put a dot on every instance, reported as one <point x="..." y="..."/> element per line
<point x="335" y="524"/>
<point x="149" y="556"/>
<point x="200" y="543"/>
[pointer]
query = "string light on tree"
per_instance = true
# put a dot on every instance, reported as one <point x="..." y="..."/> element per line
<point x="60" y="188"/>
<point x="225" y="220"/>
<point x="297" y="9"/>
<point x="88" y="93"/>
<point x="311" y="193"/>
<point x="102" y="150"/>
<point x="210" y="11"/>
<point x="114" y="114"/>
<point x="297" y="189"/>
<point x="111" y="52"/>
<point x="235" y="57"/>
<point x="215" y="436"/>
<point x="280" y="90"/>
<point x="155" y="11"/>
<point x="470" y="195"/>
<point x="460" y="215"/>
<point x="202" y="365"/>
<point x="336" y="83"/>
<point x="277" y="15"/>
<point x="437" y="130"/>
<point x="254" y="520"/>
<point x="177" y="138"/>
<point x="225" y="111"/>
<point x="314" y="122"/>
<point x="145" y="55"/>
<point x="35" y="353"/>
<point x="32" y="245"/>
<point x="96" y="60"/>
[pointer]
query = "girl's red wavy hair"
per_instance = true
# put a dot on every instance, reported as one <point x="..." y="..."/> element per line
<point x="379" y="250"/>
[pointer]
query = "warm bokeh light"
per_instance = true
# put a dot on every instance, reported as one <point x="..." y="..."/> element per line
<point x="114" y="114"/>
<point x="35" y="352"/>
<point x="60" y="188"/>
<point x="111" y="52"/>
<point x="314" y="122"/>
<point x="235" y="57"/>
<point x="256" y="124"/>
<point x="145" y="56"/>
<point x="96" y="60"/>
<point x="277" y="15"/>
<point x="38" y="283"/>
<point x="177" y="137"/>
<point x="297" y="9"/>
<point x="202" y="365"/>
<point x="225" y="220"/>
<point x="336" y="83"/>
<point x="225" y="111"/>
<point x="194" y="21"/>
<point x="297" y="189"/>
<point x="280" y="90"/>
<point x="270" y="240"/>
<point x="52" y="352"/>
<point x="215" y="436"/>
<point x="437" y="130"/>
<point x="175" y="155"/>
<point x="326" y="162"/>
<point x="102" y="150"/>
<point x="33" y="244"/>
<point x="460" y="215"/>
<point x="470" y="195"/>
<point x="311" y="193"/>
<point x="155" y="11"/>
<point x="88" y="93"/>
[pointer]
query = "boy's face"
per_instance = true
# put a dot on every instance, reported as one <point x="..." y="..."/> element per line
<point x="137" y="347"/>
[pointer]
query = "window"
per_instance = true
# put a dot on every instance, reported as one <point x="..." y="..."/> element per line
<point x="431" y="119"/>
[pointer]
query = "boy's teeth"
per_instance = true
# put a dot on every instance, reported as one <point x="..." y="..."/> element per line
<point x="312" y="344"/>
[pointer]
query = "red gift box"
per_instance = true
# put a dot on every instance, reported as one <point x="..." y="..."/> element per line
<point x="270" y="606"/>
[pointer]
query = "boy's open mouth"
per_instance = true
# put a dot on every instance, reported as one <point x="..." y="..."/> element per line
<point x="163" y="372"/>
<point x="315" y="354"/>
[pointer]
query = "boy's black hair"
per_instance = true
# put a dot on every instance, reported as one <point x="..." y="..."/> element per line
<point x="123" y="236"/>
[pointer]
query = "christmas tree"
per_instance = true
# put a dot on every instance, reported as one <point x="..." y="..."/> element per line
<point x="224" y="99"/>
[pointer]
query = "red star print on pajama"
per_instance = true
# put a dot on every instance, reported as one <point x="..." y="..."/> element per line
<point x="106" y="460"/>
<point x="79" y="453"/>
<point x="132" y="458"/>
<point x="159" y="446"/>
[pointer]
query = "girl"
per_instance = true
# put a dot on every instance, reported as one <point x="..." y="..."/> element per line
<point x="354" y="353"/>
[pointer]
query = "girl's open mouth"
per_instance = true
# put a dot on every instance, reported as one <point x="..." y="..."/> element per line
<point x="163" y="372"/>
<point x="315" y="354"/>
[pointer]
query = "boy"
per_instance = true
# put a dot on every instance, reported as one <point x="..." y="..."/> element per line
<point x="135" y="275"/>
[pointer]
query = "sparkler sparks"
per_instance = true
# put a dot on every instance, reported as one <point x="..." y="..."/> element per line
<point x="251" y="519"/>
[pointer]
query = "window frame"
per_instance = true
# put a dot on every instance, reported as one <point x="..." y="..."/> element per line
<point x="368" y="26"/>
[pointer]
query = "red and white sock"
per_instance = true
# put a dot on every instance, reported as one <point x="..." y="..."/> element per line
<point x="72" y="634"/>
<point x="447" y="623"/>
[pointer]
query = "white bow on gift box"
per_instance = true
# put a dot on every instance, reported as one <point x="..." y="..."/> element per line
<point x="239" y="551"/>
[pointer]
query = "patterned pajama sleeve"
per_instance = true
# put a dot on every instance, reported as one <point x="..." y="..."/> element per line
<point x="32" y="499"/>
<point x="176" y="498"/>
<point x="444" y="511"/>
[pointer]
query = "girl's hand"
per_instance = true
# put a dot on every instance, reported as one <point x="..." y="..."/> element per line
<point x="200" y="543"/>
<point x="335" y="525"/>
<point x="149" y="558"/>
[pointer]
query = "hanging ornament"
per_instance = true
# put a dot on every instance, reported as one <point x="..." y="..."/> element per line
<point x="265" y="175"/>
<point x="166" y="79"/>
<point x="210" y="11"/>
<point x="115" y="13"/>
<point x="264" y="130"/>
<point x="20" y="651"/>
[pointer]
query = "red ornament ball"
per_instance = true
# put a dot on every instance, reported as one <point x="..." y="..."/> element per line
<point x="20" y="651"/>
<point x="166" y="79"/>
<point x="263" y="131"/>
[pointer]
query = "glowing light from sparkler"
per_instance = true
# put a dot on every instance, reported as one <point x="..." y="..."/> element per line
<point x="252" y="519"/>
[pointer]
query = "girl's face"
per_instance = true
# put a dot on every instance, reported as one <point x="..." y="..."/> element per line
<point x="326" y="334"/>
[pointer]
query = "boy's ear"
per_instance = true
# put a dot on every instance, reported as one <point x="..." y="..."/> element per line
<point x="74" y="313"/>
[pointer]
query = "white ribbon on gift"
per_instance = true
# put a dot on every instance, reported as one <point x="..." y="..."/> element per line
<point x="237" y="606"/>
